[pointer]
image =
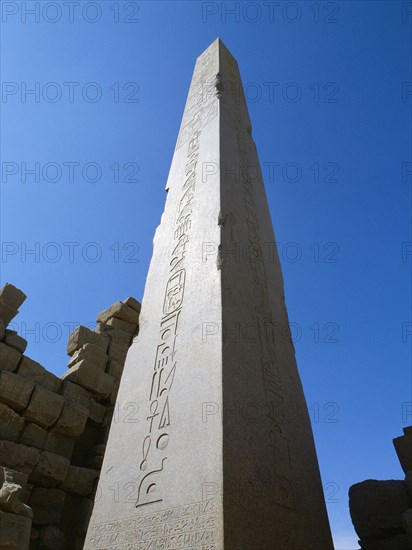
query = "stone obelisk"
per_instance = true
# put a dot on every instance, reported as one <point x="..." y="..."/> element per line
<point x="218" y="453"/>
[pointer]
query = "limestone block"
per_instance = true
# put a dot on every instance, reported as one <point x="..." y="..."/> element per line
<point x="59" y="444"/>
<point x="52" y="538"/>
<point x="80" y="480"/>
<point x="99" y="449"/>
<point x="95" y="462"/>
<point x="115" y="369"/>
<point x="11" y="338"/>
<point x="376" y="507"/>
<point x="47" y="505"/>
<point x="15" y="391"/>
<point x="133" y="303"/>
<point x="86" y="509"/>
<point x="92" y="378"/>
<point x="9" y="357"/>
<point x="14" y="531"/>
<point x="44" y="408"/>
<point x="118" y="352"/>
<point x="72" y="420"/>
<point x="91" y="353"/>
<point x="119" y="311"/>
<point x="50" y="470"/>
<point x="34" y="436"/>
<point x="11" y="424"/>
<point x="11" y="295"/>
<point x="34" y="371"/>
<point x="81" y="336"/>
<point x="118" y="324"/>
<point x="97" y="412"/>
<point x="403" y="447"/>
<point x="7" y="313"/>
<point x="76" y="394"/>
<point x="18" y="457"/>
<point x="114" y="335"/>
<point x="12" y="484"/>
<point x="115" y="391"/>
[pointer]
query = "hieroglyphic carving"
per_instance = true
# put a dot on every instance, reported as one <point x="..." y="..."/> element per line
<point x="154" y="448"/>
<point x="281" y="474"/>
<point x="183" y="527"/>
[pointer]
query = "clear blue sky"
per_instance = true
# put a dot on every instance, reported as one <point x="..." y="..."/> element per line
<point x="331" y="114"/>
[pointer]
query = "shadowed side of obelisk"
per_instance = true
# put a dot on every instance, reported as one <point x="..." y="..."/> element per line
<point x="272" y="490"/>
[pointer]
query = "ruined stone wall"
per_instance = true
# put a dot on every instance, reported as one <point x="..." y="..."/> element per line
<point x="381" y="511"/>
<point x="53" y="431"/>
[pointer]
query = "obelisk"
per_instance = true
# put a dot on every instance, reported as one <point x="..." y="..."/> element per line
<point x="220" y="455"/>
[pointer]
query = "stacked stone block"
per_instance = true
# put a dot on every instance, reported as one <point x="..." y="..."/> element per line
<point x="381" y="511"/>
<point x="53" y="431"/>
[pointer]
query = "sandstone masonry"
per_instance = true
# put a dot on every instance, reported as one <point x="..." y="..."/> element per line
<point x="53" y="431"/>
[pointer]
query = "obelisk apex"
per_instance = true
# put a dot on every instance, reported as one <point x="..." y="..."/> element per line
<point x="220" y="455"/>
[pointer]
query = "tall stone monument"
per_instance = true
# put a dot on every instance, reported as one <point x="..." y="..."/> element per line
<point x="212" y="447"/>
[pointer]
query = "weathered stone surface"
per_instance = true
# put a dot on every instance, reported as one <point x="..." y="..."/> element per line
<point x="47" y="505"/>
<point x="95" y="462"/>
<point x="14" y="531"/>
<point x="2" y="328"/>
<point x="59" y="444"/>
<point x="12" y="339"/>
<point x="89" y="352"/>
<point x="97" y="412"/>
<point x="52" y="538"/>
<point x="50" y="470"/>
<point x="117" y="352"/>
<point x="72" y="419"/>
<point x="118" y="324"/>
<point x="403" y="447"/>
<point x="15" y="391"/>
<point x="115" y="391"/>
<point x="12" y="484"/>
<point x="376" y="507"/>
<point x="92" y="378"/>
<point x="18" y="457"/>
<point x="133" y="303"/>
<point x="11" y="295"/>
<point x="44" y="408"/>
<point x="115" y="335"/>
<point x="7" y="313"/>
<point x="119" y="310"/>
<point x="171" y="370"/>
<point x="115" y="369"/>
<point x="76" y="394"/>
<point x="80" y="480"/>
<point x="34" y="436"/>
<point x="86" y="509"/>
<point x="11" y="424"/>
<point x="9" y="357"/>
<point x="81" y="336"/>
<point x="34" y="371"/>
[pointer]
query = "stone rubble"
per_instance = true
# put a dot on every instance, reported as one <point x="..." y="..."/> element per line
<point x="381" y="511"/>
